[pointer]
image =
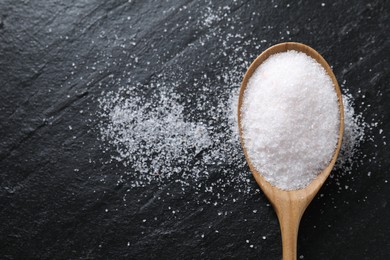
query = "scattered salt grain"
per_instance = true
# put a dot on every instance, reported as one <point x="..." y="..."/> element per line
<point x="290" y="119"/>
<point x="355" y="133"/>
<point x="125" y="114"/>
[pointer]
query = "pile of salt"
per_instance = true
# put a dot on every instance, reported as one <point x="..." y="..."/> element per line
<point x="290" y="119"/>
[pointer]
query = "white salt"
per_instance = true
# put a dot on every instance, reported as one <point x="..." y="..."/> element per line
<point x="138" y="136"/>
<point x="354" y="135"/>
<point x="290" y="119"/>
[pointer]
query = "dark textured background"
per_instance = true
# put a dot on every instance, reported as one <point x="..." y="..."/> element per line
<point x="50" y="211"/>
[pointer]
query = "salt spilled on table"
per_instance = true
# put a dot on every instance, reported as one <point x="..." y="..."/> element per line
<point x="290" y="119"/>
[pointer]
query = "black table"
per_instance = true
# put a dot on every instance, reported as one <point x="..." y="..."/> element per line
<point x="59" y="191"/>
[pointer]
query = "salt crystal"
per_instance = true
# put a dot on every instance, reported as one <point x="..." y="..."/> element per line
<point x="290" y="119"/>
<point x="137" y="131"/>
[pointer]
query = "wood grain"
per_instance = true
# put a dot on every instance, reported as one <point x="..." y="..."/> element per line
<point x="290" y="205"/>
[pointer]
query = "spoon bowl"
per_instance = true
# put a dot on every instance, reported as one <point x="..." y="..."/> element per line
<point x="290" y="205"/>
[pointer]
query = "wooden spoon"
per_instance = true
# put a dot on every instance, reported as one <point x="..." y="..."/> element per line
<point x="290" y="205"/>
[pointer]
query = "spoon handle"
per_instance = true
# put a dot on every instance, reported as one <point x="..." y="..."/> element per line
<point x="289" y="219"/>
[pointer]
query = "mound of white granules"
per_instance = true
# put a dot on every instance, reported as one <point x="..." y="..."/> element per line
<point x="290" y="119"/>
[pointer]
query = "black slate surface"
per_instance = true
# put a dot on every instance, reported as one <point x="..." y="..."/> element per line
<point x="50" y="211"/>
